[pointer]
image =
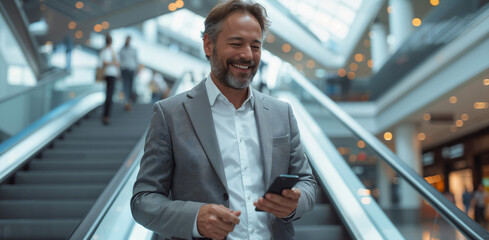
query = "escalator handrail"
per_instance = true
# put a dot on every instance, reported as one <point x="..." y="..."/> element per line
<point x="450" y="212"/>
<point x="49" y="77"/>
<point x="18" y="149"/>
<point x="346" y="192"/>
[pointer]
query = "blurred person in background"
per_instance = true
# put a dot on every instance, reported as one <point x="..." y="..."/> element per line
<point x="479" y="203"/>
<point x="466" y="200"/>
<point x="108" y="60"/>
<point x="159" y="88"/>
<point x="129" y="66"/>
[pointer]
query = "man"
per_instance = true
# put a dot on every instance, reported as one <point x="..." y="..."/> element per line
<point x="212" y="152"/>
<point x="129" y="65"/>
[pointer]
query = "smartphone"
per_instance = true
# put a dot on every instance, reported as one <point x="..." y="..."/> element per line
<point x="280" y="183"/>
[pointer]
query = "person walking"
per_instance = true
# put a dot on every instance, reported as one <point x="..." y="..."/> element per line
<point x="108" y="60"/>
<point x="129" y="66"/>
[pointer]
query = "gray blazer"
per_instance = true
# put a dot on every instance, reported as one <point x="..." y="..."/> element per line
<point x="182" y="169"/>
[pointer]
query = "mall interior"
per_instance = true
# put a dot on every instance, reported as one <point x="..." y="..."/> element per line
<point x="391" y="99"/>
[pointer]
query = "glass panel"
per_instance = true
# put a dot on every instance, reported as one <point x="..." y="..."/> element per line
<point x="338" y="23"/>
<point x="410" y="213"/>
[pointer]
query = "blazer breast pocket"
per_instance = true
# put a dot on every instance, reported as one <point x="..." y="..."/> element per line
<point x="280" y="140"/>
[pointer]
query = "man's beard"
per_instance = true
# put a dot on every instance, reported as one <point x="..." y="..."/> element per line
<point x="224" y="76"/>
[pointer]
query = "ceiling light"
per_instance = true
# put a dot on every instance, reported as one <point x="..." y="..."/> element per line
<point x="341" y="72"/>
<point x="270" y="38"/>
<point x="353" y="66"/>
<point x="105" y="24"/>
<point x="465" y="117"/>
<point x="435" y="2"/>
<point x="72" y="25"/>
<point x="480" y="105"/>
<point x="426" y="116"/>
<point x="78" y="34"/>
<point x="172" y="7"/>
<point x="486" y="82"/>
<point x="298" y="56"/>
<point x="360" y="144"/>
<point x="79" y="4"/>
<point x="286" y="48"/>
<point x="97" y="28"/>
<point x="179" y="3"/>
<point x="459" y="123"/>
<point x="388" y="136"/>
<point x="453" y="99"/>
<point x="421" y="136"/>
<point x="311" y="64"/>
<point x="370" y="63"/>
<point x="351" y="75"/>
<point x="416" y="22"/>
<point x="359" y="57"/>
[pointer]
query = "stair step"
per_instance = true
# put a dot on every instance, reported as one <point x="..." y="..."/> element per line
<point x="322" y="214"/>
<point x="37" y="229"/>
<point x="50" y="177"/>
<point x="321" y="232"/>
<point x="39" y="209"/>
<point x="58" y="192"/>
<point x="87" y="154"/>
<point x="73" y="165"/>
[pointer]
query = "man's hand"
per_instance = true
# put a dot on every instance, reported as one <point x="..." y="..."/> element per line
<point x="280" y="206"/>
<point x="216" y="221"/>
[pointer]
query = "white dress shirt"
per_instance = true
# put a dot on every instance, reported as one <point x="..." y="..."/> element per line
<point x="108" y="56"/>
<point x="239" y="144"/>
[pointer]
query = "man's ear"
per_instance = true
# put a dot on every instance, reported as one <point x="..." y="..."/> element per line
<point x="208" y="45"/>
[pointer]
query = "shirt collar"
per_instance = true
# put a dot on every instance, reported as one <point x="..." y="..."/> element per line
<point x="213" y="93"/>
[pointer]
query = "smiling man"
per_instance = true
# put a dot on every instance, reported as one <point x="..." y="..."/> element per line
<point x="212" y="152"/>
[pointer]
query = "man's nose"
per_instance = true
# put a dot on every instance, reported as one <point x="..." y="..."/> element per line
<point x="246" y="53"/>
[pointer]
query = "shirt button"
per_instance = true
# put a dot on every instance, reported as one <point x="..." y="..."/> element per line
<point x="225" y="196"/>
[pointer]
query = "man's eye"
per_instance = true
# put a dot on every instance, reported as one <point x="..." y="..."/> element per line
<point x="235" y="44"/>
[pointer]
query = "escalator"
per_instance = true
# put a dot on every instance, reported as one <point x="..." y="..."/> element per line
<point x="50" y="194"/>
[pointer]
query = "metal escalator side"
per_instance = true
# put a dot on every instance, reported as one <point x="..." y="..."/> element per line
<point x="52" y="177"/>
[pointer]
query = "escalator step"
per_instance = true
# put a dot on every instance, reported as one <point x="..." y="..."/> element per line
<point x="74" y="165"/>
<point x="323" y="214"/>
<point x="37" y="229"/>
<point x="45" y="177"/>
<point x="58" y="192"/>
<point x="39" y="209"/>
<point x="87" y="153"/>
<point x="319" y="232"/>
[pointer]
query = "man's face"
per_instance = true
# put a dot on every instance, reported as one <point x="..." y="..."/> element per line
<point x="236" y="54"/>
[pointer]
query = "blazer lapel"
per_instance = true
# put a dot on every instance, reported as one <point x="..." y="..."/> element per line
<point x="264" y="126"/>
<point x="200" y="115"/>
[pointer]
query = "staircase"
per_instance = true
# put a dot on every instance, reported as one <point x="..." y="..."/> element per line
<point x="53" y="192"/>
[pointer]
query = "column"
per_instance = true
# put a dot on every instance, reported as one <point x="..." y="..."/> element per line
<point x="400" y="21"/>
<point x="384" y="182"/>
<point x="408" y="149"/>
<point x="150" y="30"/>
<point x="379" y="47"/>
